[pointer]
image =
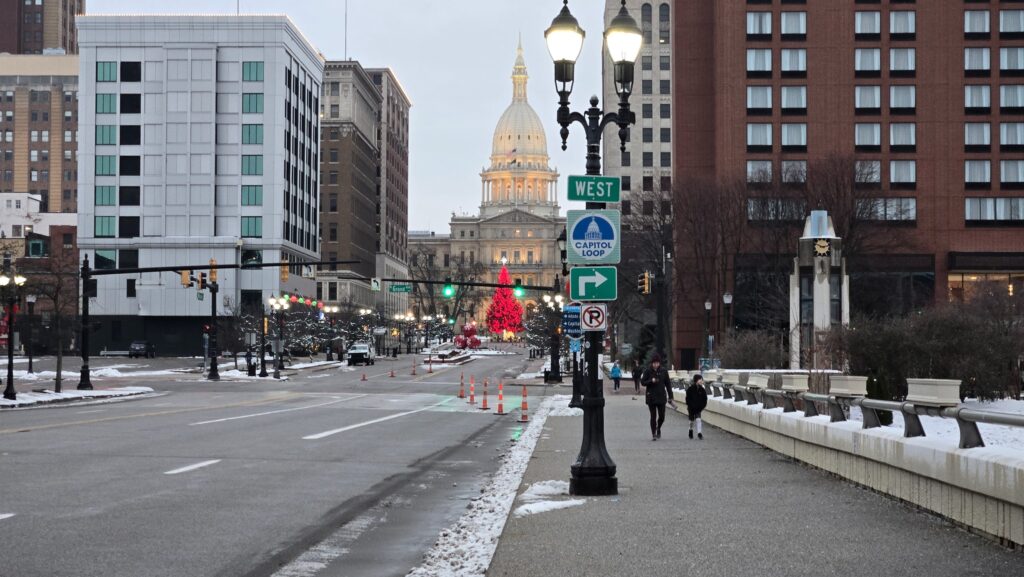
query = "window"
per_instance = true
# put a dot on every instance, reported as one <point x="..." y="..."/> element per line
<point x="977" y="61"/>
<point x="1011" y="136"/>
<point x="104" y="226"/>
<point x="626" y="159"/>
<point x="794" y="137"/>
<point x="1011" y="61"/>
<point x="665" y="110"/>
<point x="902" y="24"/>
<point x="105" y="134"/>
<point x="647" y="110"/>
<point x="106" y="104"/>
<point x="868" y="99"/>
<point x="627" y="182"/>
<point x="129" y="196"/>
<point x="131" y="135"/>
<point x="252" y="71"/>
<point x="105" y="196"/>
<point x="759" y="25"/>
<point x="666" y="159"/>
<point x="993" y="209"/>
<point x="252" y="103"/>
<point x="106" y="165"/>
<point x="759" y="99"/>
<point x="645" y="63"/>
<point x="664" y="24"/>
<point x="794" y="99"/>
<point x="759" y="171"/>
<point x="775" y="209"/>
<point x="868" y="25"/>
<point x="867" y="61"/>
<point x="332" y="232"/>
<point x="976" y="24"/>
<point x="106" y="259"/>
<point x="665" y="86"/>
<point x="794" y="62"/>
<point x="868" y="137"/>
<point x="648" y="159"/>
<point x="252" y="134"/>
<point x="645" y="19"/>
<point x="794" y="171"/>
<point x="646" y="87"/>
<point x="868" y="172"/>
<point x="977" y="98"/>
<point x="664" y="62"/>
<point x="106" y="72"/>
<point x="131" y="72"/>
<point x="129" y="288"/>
<point x="252" y="195"/>
<point x="252" y="164"/>
<point x="666" y="135"/>
<point x="1011" y="98"/>
<point x="759" y="63"/>
<point x="128" y="227"/>
<point x="902" y="173"/>
<point x="887" y="209"/>
<point x="647" y="184"/>
<point x="977" y="173"/>
<point x="626" y="208"/>
<point x="252" y="226"/>
<point x="131" y="166"/>
<point x="131" y="103"/>
<point x="794" y="25"/>
<point x="1011" y="173"/>
<point x="1011" y="23"/>
<point x="903" y="137"/>
<point x="902" y="99"/>
<point x="759" y="137"/>
<point x="332" y="203"/>
<point x="977" y="136"/>
<point x="902" y="61"/>
<point x="648" y="135"/>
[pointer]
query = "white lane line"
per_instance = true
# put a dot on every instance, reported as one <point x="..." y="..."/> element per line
<point x="277" y="411"/>
<point x="92" y="411"/>
<point x="192" y="467"/>
<point x="6" y="516"/>
<point x="373" y="422"/>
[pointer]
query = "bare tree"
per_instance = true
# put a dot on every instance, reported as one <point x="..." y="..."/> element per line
<point x="423" y="266"/>
<point x="55" y="279"/>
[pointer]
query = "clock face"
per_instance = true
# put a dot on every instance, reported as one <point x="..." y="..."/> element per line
<point x="822" y="247"/>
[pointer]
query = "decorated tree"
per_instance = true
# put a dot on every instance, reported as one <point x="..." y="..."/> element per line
<point x="505" y="313"/>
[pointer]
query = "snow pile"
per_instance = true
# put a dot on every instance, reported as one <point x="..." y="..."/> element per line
<point x="237" y="374"/>
<point x="44" y="375"/>
<point x="467" y="547"/>
<point x="111" y="372"/>
<point x="490" y="353"/>
<point x="311" y="364"/>
<point x="536" y="498"/>
<point x="561" y="407"/>
<point x="26" y="399"/>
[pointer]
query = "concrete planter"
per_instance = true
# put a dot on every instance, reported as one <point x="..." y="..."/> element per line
<point x="933" y="392"/>
<point x="794" y="383"/>
<point x="847" y="386"/>
<point x="731" y="378"/>
<point x="758" y="381"/>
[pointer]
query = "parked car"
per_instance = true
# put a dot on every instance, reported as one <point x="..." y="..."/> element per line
<point x="142" y="349"/>
<point x="361" y="353"/>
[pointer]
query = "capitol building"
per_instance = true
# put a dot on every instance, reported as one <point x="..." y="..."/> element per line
<point x="519" y="219"/>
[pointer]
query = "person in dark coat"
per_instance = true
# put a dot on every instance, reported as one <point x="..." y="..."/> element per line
<point x="637" y="371"/>
<point x="696" y="400"/>
<point x="659" y="392"/>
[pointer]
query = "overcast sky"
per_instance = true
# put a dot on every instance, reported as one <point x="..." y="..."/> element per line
<point x="454" y="58"/>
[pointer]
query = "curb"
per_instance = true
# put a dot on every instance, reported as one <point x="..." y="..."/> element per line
<point x="86" y="399"/>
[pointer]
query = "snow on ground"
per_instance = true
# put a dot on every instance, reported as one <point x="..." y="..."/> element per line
<point x="312" y="364"/>
<point x="27" y="399"/>
<point x="561" y="407"/>
<point x="490" y="353"/>
<point x="43" y="375"/>
<point x="111" y="372"/>
<point x="466" y="548"/>
<point x="537" y="498"/>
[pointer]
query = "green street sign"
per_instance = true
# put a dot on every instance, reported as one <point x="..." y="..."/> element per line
<point x="400" y="288"/>
<point x="593" y="283"/>
<point x="595" y="188"/>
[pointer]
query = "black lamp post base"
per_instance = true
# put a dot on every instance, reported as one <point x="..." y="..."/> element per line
<point x="84" y="380"/>
<point x="594" y="486"/>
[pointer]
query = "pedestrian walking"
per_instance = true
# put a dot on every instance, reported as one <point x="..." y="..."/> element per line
<point x="659" y="393"/>
<point x="696" y="400"/>
<point x="636" y="377"/>
<point x="616" y="375"/>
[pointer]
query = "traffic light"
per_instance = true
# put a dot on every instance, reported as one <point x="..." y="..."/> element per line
<point x="186" y="278"/>
<point x="449" y="289"/>
<point x="266" y="322"/>
<point x="284" y="273"/>
<point x="213" y="270"/>
<point x="518" y="290"/>
<point x="643" y="283"/>
<point x="202" y="281"/>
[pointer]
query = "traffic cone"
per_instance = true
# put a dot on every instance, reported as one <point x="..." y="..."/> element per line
<point x="392" y="375"/>
<point x="523" y="417"/>
<point x="484" y="407"/>
<point x="501" y="399"/>
<point x="472" y="393"/>
<point x="364" y="377"/>
<point x="462" y="386"/>
<point x="414" y="365"/>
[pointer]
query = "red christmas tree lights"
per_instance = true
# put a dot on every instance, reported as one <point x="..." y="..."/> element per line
<point x="505" y="312"/>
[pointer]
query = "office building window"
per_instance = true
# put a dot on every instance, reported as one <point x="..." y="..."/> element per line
<point x="887" y="209"/>
<point x="666" y="159"/>
<point x="252" y="134"/>
<point x="759" y="99"/>
<point x="794" y="137"/>
<point x="868" y="25"/>
<point x="664" y="23"/>
<point x="977" y="172"/>
<point x="666" y="135"/>
<point x="131" y="166"/>
<point x="106" y="104"/>
<point x="645" y="23"/>
<point x="902" y="99"/>
<point x="646" y="86"/>
<point x="759" y="171"/>
<point x="131" y="72"/>
<point x="105" y="196"/>
<point x="627" y="182"/>
<point x="131" y="134"/>
<point x="106" y="72"/>
<point x="1011" y="98"/>
<point x="868" y="99"/>
<point x="759" y="137"/>
<point x="1011" y="136"/>
<point x="252" y="195"/>
<point x="903" y="136"/>
<point x="252" y="226"/>
<point x="648" y="134"/>
<point x="868" y="172"/>
<point x="977" y="61"/>
<point x="106" y="259"/>
<point x="794" y="62"/>
<point x="977" y="97"/>
<point x="104" y="227"/>
<point x="759" y="62"/>
<point x="1011" y="61"/>
<point x="648" y="159"/>
<point x="902" y="173"/>
<point x="626" y="158"/>
<point x="665" y="110"/>
<point x="902" y="24"/>
<point x="794" y="99"/>
<point x="664" y="62"/>
<point x="252" y="103"/>
<point x="1011" y="173"/>
<point x="106" y="165"/>
<point x="867" y="61"/>
<point x="993" y="209"/>
<point x="252" y="164"/>
<point x="106" y="134"/>
<point x="759" y="25"/>
<point x="977" y="136"/>
<point x="794" y="25"/>
<point x="868" y="137"/>
<point x="252" y="71"/>
<point x="129" y="196"/>
<point x="648" y="184"/>
<point x="664" y="86"/>
<point x="1011" y="23"/>
<point x="128" y="227"/>
<point x="976" y="24"/>
<point x="902" y="61"/>
<point x="645" y="63"/>
<point x="647" y="110"/>
<point x="794" y="171"/>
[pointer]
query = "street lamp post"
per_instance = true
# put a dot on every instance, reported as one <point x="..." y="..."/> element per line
<point x="555" y="374"/>
<point x="330" y="311"/>
<point x="727" y="301"/>
<point x="7" y="278"/>
<point x="263" y="340"/>
<point x="594" y="471"/>
<point x="707" y="327"/>
<point x="30" y="301"/>
<point x="85" y="378"/>
<point x="279" y="306"/>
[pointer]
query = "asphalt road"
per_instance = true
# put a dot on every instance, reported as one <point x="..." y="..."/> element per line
<point x="299" y="477"/>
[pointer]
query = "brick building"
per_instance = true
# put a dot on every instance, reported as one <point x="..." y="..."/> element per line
<point x="35" y="26"/>
<point x="926" y="100"/>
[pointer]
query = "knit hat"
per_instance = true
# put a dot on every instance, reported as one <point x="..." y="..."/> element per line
<point x="656" y="358"/>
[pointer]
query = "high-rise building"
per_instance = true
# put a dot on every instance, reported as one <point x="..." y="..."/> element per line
<point x="38" y="26"/>
<point x="348" y="183"/>
<point x="200" y="141"/>
<point x="393" y="191"/>
<point x="925" y="100"/>
<point x="39" y="130"/>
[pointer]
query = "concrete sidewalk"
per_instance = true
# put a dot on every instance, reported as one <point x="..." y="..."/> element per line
<point x="723" y="507"/>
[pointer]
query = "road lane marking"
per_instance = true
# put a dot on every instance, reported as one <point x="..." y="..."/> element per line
<point x="276" y="412"/>
<point x="192" y="467"/>
<point x="373" y="422"/>
<point x="92" y="411"/>
<point x="6" y="516"/>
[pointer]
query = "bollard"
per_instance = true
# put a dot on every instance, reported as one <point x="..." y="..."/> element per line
<point x="483" y="406"/>
<point x="364" y="377"/>
<point x="414" y="365"/>
<point x="392" y="374"/>
<point x="501" y="399"/>
<point x="523" y="417"/>
<point x="462" y="386"/>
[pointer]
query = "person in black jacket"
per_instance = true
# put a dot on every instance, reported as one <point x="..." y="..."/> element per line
<point x="696" y="400"/>
<point x="637" y="371"/>
<point x="659" y="392"/>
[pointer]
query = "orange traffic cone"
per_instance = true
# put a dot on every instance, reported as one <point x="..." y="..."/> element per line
<point x="472" y="393"/>
<point x="392" y="375"/>
<point x="364" y="377"/>
<point x="523" y="417"/>
<point x="484" y="407"/>
<point x="462" y="387"/>
<point x="414" y="365"/>
<point x="501" y="399"/>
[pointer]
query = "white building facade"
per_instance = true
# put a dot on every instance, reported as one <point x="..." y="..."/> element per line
<point x="199" y="140"/>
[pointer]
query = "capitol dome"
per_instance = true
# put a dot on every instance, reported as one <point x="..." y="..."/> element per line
<point x="519" y="135"/>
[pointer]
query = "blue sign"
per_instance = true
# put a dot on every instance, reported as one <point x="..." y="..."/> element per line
<point x="574" y="346"/>
<point x="571" y="321"/>
<point x="594" y="236"/>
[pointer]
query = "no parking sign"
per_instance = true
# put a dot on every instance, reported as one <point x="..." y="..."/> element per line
<point x="594" y="317"/>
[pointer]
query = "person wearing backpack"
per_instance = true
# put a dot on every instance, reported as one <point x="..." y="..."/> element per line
<point x="696" y="400"/>
<point x="616" y="375"/>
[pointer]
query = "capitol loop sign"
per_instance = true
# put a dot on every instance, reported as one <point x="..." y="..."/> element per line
<point x="594" y="236"/>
